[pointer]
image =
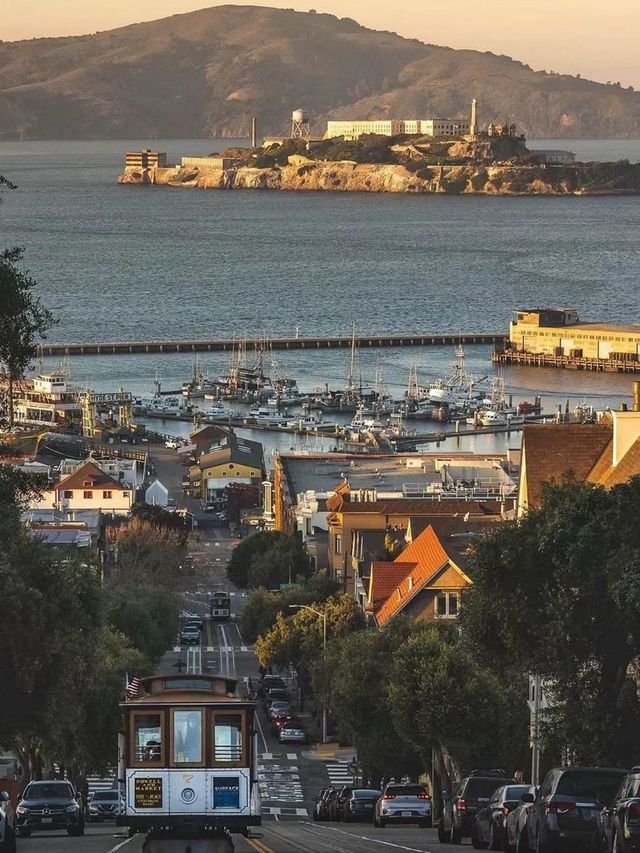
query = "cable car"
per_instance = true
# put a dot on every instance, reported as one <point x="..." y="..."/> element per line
<point x="220" y="605"/>
<point x="188" y="758"/>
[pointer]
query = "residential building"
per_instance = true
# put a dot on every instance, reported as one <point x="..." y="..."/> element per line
<point x="157" y="494"/>
<point x="559" y="331"/>
<point x="604" y="454"/>
<point x="213" y="162"/>
<point x="233" y="460"/>
<point x="129" y="471"/>
<point x="88" y="488"/>
<point x="424" y="582"/>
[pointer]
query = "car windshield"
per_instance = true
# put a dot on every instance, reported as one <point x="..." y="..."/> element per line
<point x="365" y="792"/>
<point x="589" y="783"/>
<point x="514" y="792"/>
<point x="44" y="790"/>
<point x="481" y="788"/>
<point x="106" y="796"/>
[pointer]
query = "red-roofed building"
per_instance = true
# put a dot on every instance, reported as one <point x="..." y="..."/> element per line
<point x="88" y="488"/>
<point x="424" y="582"/>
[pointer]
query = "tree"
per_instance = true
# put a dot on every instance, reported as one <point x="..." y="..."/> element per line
<point x="268" y="559"/>
<point x="146" y="615"/>
<point x="558" y="594"/>
<point x="353" y="682"/>
<point x="441" y="697"/>
<point x="145" y="552"/>
<point x="23" y="321"/>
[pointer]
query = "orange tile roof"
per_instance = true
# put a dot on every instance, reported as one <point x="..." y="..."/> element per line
<point x="432" y="558"/>
<point x="384" y="578"/>
<point x="87" y="472"/>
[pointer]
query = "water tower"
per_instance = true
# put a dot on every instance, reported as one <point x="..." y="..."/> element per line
<point x="300" y="124"/>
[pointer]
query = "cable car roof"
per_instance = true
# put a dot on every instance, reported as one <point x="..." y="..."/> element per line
<point x="185" y="688"/>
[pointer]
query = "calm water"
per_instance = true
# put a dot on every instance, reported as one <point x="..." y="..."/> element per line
<point x="125" y="262"/>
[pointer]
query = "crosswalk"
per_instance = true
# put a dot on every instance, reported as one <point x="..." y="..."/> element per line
<point x="280" y="786"/>
<point x="339" y="774"/>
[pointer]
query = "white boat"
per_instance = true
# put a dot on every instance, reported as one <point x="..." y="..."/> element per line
<point x="458" y="389"/>
<point x="367" y="424"/>
<point x="310" y="422"/>
<point x="218" y="413"/>
<point x="265" y="416"/>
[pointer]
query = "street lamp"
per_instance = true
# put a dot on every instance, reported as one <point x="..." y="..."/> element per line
<point x="323" y="616"/>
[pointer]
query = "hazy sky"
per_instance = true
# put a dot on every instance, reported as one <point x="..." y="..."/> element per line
<point x="599" y="40"/>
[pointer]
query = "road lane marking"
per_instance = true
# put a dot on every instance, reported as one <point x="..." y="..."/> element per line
<point x="122" y="843"/>
<point x="259" y="845"/>
<point x="369" y="838"/>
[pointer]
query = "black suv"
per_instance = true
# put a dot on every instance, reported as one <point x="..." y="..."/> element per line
<point x="564" y="814"/>
<point x="49" y="805"/>
<point x="619" y="820"/>
<point x="460" y="808"/>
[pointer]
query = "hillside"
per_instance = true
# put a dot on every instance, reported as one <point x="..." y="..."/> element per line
<point x="205" y="73"/>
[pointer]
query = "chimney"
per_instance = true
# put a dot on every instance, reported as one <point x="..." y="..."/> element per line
<point x="626" y="427"/>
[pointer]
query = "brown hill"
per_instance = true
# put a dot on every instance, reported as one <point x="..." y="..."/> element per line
<point x="205" y="73"/>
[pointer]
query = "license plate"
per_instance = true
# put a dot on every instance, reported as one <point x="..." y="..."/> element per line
<point x="406" y="814"/>
<point x="47" y="820"/>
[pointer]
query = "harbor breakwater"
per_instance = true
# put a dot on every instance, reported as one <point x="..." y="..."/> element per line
<point x="302" y="174"/>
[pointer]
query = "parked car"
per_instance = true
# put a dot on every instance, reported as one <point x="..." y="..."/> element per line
<point x="323" y="803"/>
<point x="172" y="444"/>
<point x="7" y="824"/>
<point x="488" y="829"/>
<point x="515" y="824"/>
<point x="49" y="805"/>
<point x="103" y="805"/>
<point x="190" y="636"/>
<point x="619" y="820"/>
<point x="564" y="813"/>
<point x="360" y="804"/>
<point x="278" y="707"/>
<point x="460" y="807"/>
<point x="292" y="732"/>
<point x="335" y="807"/>
<point x="403" y="803"/>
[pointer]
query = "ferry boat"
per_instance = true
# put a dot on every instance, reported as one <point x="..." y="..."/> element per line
<point x="48" y="399"/>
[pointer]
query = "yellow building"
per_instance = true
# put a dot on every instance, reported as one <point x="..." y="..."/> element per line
<point x="560" y="332"/>
<point x="234" y="460"/>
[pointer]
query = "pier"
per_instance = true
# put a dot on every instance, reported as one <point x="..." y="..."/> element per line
<point x="568" y="362"/>
<point x="292" y="343"/>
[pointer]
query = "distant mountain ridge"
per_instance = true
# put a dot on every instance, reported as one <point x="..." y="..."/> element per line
<point x="205" y="73"/>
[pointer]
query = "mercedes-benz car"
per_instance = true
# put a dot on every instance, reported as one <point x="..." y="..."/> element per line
<point x="103" y="805"/>
<point x="49" y="805"/>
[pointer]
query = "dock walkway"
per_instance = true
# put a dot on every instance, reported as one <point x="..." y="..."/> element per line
<point x="568" y="362"/>
<point x="293" y="343"/>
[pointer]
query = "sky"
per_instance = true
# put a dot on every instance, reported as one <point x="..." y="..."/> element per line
<point x="598" y="40"/>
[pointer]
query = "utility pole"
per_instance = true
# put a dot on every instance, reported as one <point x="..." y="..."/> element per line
<point x="535" y="705"/>
<point x="323" y="616"/>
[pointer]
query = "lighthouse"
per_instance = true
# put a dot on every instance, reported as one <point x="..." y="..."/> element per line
<point x="473" y="124"/>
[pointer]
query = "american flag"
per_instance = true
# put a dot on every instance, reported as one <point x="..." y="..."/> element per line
<point x="132" y="687"/>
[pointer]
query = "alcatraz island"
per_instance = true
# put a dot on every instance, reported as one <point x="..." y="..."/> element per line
<point x="436" y="155"/>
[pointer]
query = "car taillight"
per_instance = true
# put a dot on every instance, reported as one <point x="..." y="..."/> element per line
<point x="461" y="804"/>
<point x="423" y="796"/>
<point x="560" y="808"/>
<point x="389" y="797"/>
<point x="633" y="813"/>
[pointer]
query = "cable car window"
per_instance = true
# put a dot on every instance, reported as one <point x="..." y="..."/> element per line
<point x="147" y="738"/>
<point x="187" y="737"/>
<point x="227" y="738"/>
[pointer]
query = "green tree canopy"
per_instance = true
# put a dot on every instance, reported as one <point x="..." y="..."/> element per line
<point x="146" y="615"/>
<point x="558" y="594"/>
<point x="268" y="559"/>
<point x="23" y="322"/>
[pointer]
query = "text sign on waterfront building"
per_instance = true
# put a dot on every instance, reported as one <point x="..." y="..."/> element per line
<point x="148" y="792"/>
<point x="120" y="397"/>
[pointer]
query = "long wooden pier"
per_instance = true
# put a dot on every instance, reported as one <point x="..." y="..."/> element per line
<point x="568" y="362"/>
<point x="294" y="343"/>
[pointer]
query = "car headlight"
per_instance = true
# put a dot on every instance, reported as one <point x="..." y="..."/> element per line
<point x="22" y="810"/>
<point x="73" y="808"/>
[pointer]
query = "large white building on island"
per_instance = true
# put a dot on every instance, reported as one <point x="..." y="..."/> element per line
<point x="436" y="127"/>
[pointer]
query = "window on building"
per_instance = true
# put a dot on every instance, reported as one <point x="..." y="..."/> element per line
<point x="68" y="495"/>
<point x="338" y="544"/>
<point x="447" y="605"/>
<point x="88" y="483"/>
<point x="87" y="495"/>
<point x="107" y="495"/>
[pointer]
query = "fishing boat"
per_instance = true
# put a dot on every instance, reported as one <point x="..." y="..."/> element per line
<point x="199" y="385"/>
<point x="458" y="389"/>
<point x="362" y="422"/>
<point x="311" y="422"/>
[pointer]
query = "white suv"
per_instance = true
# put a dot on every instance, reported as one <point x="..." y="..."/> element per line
<point x="7" y="825"/>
